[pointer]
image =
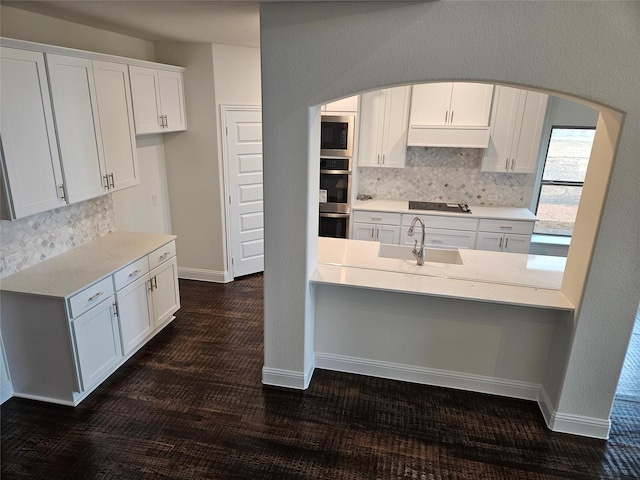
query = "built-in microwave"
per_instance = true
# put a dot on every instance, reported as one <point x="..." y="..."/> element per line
<point x="336" y="135"/>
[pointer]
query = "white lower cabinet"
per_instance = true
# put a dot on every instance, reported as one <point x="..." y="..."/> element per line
<point x="505" y="236"/>
<point x="96" y="336"/>
<point x="380" y="227"/>
<point x="60" y="348"/>
<point x="441" y="231"/>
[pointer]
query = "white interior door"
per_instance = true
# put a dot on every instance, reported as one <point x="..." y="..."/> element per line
<point x="242" y="129"/>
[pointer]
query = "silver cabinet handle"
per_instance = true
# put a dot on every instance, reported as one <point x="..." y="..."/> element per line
<point x="452" y="112"/>
<point x="501" y="240"/>
<point x="513" y="163"/>
<point x="61" y="188"/>
<point x="155" y="282"/>
<point x="115" y="309"/>
<point x="376" y="219"/>
<point x="506" y="227"/>
<point x="383" y="159"/>
<point x="506" y="243"/>
<point x="134" y="273"/>
<point x="161" y="121"/>
<point x="106" y="181"/>
<point x="113" y="184"/>
<point x="378" y="159"/>
<point x="163" y="256"/>
<point x="166" y="121"/>
<point x="446" y="116"/>
<point x="92" y="298"/>
<point x="506" y="164"/>
<point x="151" y="284"/>
<point x="373" y="235"/>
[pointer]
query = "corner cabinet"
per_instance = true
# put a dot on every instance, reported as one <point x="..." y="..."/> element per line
<point x="60" y="346"/>
<point x="158" y="100"/>
<point x="31" y="173"/>
<point x="383" y="128"/>
<point x="450" y="115"/>
<point x="516" y="130"/>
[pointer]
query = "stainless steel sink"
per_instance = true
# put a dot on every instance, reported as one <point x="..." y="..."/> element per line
<point x="433" y="255"/>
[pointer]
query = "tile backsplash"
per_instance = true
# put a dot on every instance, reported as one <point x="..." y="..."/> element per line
<point x="444" y="175"/>
<point x="31" y="240"/>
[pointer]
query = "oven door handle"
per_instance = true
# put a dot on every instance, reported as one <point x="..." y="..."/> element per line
<point x="336" y="172"/>
<point x="335" y="215"/>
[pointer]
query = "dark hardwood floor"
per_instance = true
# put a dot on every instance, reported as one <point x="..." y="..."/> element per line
<point x="190" y="405"/>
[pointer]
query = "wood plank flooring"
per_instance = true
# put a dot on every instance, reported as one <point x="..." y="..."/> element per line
<point x="190" y="405"/>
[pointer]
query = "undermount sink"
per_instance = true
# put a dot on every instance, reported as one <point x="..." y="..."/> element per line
<point x="432" y="255"/>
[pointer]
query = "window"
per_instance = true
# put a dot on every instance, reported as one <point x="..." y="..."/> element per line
<point x="562" y="179"/>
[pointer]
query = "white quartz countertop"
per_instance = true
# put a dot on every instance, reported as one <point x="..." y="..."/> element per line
<point x="509" y="278"/>
<point x="70" y="272"/>
<point x="402" y="206"/>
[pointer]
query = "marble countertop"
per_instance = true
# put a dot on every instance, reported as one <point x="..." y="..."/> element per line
<point x="72" y="271"/>
<point x="509" y="278"/>
<point x="402" y="206"/>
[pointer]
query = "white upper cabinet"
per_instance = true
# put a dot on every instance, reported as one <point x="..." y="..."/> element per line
<point x="116" y="124"/>
<point x="450" y="115"/>
<point x="32" y="178"/>
<point x="158" y="100"/>
<point x="79" y="136"/>
<point x="516" y="129"/>
<point x="345" y="105"/>
<point x="383" y="128"/>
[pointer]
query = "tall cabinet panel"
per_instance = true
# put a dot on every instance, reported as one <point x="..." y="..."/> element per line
<point x="74" y="105"/>
<point x="30" y="162"/>
<point x="116" y="122"/>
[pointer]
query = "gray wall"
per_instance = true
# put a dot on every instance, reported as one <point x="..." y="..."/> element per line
<point x="313" y="53"/>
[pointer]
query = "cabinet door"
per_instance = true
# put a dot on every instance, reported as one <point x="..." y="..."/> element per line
<point x="516" y="243"/>
<point x="349" y="104"/>
<point x="470" y="104"/>
<point x="363" y="231"/>
<point x="165" y="293"/>
<point x="430" y="104"/>
<point x="172" y="100"/>
<point x="74" y="104"/>
<point x="31" y="166"/>
<point x="490" y="241"/>
<point x="527" y="138"/>
<point x="97" y="343"/>
<point x="371" y="125"/>
<point x="116" y="122"/>
<point x="146" y="99"/>
<point x="388" y="234"/>
<point x="497" y="156"/>
<point x="396" y="119"/>
<point x="135" y="313"/>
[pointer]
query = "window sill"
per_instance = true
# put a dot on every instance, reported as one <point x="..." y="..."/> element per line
<point x="549" y="245"/>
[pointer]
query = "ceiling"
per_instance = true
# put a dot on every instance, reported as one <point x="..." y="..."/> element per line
<point x="230" y="22"/>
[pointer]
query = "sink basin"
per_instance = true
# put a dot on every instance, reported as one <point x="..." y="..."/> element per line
<point x="433" y="255"/>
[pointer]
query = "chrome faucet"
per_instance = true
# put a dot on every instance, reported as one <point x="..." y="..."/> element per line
<point x="419" y="253"/>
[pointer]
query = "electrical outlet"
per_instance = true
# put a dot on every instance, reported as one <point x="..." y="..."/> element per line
<point x="11" y="260"/>
<point x="103" y="224"/>
<point x="154" y="199"/>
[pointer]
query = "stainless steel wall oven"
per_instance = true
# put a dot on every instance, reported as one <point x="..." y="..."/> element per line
<point x="335" y="195"/>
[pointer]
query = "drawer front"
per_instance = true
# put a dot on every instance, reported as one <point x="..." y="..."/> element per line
<point x="131" y="272"/>
<point x="90" y="297"/>
<point x="440" y="238"/>
<point x="386" y="218"/>
<point x="162" y="254"/>
<point x="443" y="221"/>
<point x="506" y="226"/>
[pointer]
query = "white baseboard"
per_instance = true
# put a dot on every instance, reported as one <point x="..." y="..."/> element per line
<point x="428" y="376"/>
<point x="6" y="391"/>
<point x="202" y="275"/>
<point x="58" y="401"/>
<point x="287" y="378"/>
<point x="573" y="424"/>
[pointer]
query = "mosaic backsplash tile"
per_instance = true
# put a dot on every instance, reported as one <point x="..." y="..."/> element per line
<point x="33" y="239"/>
<point x="444" y="175"/>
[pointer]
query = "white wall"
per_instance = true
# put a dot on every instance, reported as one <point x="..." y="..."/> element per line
<point x="588" y="51"/>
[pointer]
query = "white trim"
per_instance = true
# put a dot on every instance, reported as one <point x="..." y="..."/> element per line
<point x="74" y="52"/>
<point x="69" y="403"/>
<point x="287" y="378"/>
<point x="573" y="424"/>
<point x="6" y="391"/>
<point x="429" y="376"/>
<point x="202" y="275"/>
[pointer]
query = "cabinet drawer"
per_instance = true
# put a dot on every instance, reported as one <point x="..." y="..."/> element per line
<point x="90" y="296"/>
<point x="162" y="254"/>
<point x="131" y="272"/>
<point x="386" y="218"/>
<point x="439" y="238"/>
<point x="506" y="226"/>
<point x="443" y="221"/>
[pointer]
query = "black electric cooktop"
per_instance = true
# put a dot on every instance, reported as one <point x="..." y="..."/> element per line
<point x="441" y="207"/>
